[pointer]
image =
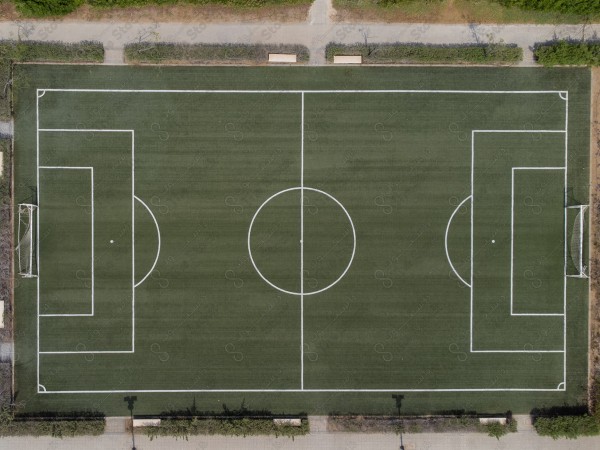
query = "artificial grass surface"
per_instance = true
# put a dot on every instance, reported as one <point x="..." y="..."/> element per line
<point x="399" y="164"/>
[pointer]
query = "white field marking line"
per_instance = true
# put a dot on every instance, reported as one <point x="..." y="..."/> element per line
<point x="520" y="131"/>
<point x="299" y="91"/>
<point x="446" y="241"/>
<point x="157" y="234"/>
<point x="472" y="240"/>
<point x="158" y="391"/>
<point x="512" y="228"/>
<point x="37" y="243"/>
<point x="87" y="130"/>
<point x="91" y="169"/>
<point x="82" y="130"/>
<point x="581" y="234"/>
<point x="77" y="352"/>
<point x="561" y="93"/>
<point x="566" y="99"/>
<point x="302" y="244"/>
<point x="296" y="188"/>
<point x="132" y="241"/>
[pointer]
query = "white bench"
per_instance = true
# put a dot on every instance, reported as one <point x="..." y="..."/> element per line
<point x="288" y="422"/>
<point x="356" y="59"/>
<point x="282" y="58"/>
<point x="146" y="423"/>
<point x="488" y="420"/>
<point x="1" y="307"/>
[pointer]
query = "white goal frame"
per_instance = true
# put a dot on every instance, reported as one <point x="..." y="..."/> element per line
<point x="27" y="218"/>
<point x="582" y="269"/>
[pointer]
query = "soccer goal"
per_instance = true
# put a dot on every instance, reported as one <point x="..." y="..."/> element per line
<point x="577" y="239"/>
<point x="26" y="248"/>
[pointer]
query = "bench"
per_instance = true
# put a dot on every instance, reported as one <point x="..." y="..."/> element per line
<point x="357" y="59"/>
<point x="146" y="423"/>
<point x="282" y="58"/>
<point x="288" y="422"/>
<point x="488" y="420"/>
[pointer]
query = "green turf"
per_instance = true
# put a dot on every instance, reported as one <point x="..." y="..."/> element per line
<point x="389" y="169"/>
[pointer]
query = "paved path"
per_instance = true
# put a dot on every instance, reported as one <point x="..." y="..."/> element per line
<point x="314" y="441"/>
<point x="315" y="33"/>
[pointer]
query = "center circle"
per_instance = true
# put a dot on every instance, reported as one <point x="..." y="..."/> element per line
<point x="301" y="238"/>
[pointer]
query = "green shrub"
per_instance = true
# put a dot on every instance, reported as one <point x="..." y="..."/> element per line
<point x="157" y="53"/>
<point x="568" y="53"/>
<point x="570" y="427"/>
<point x="11" y="425"/>
<point x="35" y="51"/>
<point x="564" y="6"/>
<point x="238" y="3"/>
<point x="191" y="426"/>
<point x="399" y="53"/>
<point x="41" y="8"/>
<point x="496" y="429"/>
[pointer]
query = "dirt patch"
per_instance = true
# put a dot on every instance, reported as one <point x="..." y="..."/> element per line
<point x="8" y="11"/>
<point x="594" y="308"/>
<point x="176" y="13"/>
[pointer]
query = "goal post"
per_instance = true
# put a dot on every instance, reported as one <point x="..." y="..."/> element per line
<point x="577" y="266"/>
<point x="26" y="246"/>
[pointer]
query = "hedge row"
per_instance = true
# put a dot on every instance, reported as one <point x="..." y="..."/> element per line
<point x="41" y="8"/>
<point x="159" y="53"/>
<point x="54" y="428"/>
<point x="399" y="53"/>
<point x="570" y="427"/>
<point x="35" y="51"/>
<point x="433" y="424"/>
<point x="563" y="6"/>
<point x="58" y="427"/>
<point x="191" y="426"/>
<point x="568" y="53"/>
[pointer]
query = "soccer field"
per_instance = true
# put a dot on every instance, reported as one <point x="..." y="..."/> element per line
<point x="302" y="239"/>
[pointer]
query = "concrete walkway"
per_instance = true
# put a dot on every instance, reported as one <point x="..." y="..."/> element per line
<point x="315" y="33"/>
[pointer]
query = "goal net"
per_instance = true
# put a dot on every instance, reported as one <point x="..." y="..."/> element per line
<point x="578" y="255"/>
<point x="26" y="248"/>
